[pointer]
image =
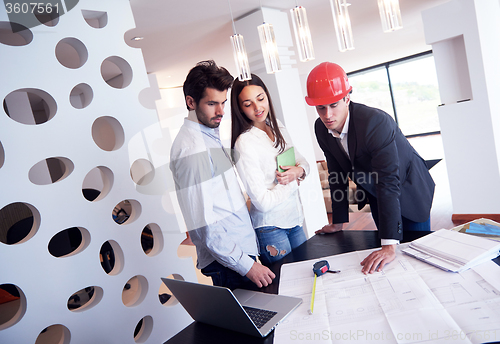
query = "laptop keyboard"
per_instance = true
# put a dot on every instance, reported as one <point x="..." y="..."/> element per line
<point x="259" y="316"/>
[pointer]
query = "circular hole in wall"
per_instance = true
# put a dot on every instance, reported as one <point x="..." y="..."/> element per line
<point x="143" y="329"/>
<point x="152" y="239"/>
<point x="50" y="170"/>
<point x="13" y="305"/>
<point x="97" y="183"/>
<point x="116" y="72"/>
<point x="95" y="19"/>
<point x="71" y="53"/>
<point x="85" y="299"/>
<point x="142" y="172"/>
<point x="81" y="96"/>
<point x="2" y="155"/>
<point x="135" y="291"/>
<point x="20" y="221"/>
<point x="47" y="15"/>
<point x="108" y="133"/>
<point x="165" y="295"/>
<point x="69" y="242"/>
<point x="126" y="211"/>
<point x="54" y="334"/>
<point x="14" y="34"/>
<point x="111" y="257"/>
<point x="30" y="106"/>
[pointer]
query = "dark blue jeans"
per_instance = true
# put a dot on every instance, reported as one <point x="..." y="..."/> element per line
<point x="408" y="225"/>
<point x="275" y="243"/>
<point x="225" y="277"/>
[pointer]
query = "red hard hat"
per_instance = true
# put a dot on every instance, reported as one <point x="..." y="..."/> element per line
<point x="327" y="83"/>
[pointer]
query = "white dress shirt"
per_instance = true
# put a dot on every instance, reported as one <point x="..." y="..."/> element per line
<point x="272" y="204"/>
<point x="211" y="199"/>
<point x="342" y="135"/>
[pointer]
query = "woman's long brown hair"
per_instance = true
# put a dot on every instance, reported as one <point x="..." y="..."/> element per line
<point x="240" y="122"/>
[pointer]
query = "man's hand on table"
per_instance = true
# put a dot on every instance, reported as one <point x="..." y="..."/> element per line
<point x="261" y="275"/>
<point x="330" y="228"/>
<point x="378" y="259"/>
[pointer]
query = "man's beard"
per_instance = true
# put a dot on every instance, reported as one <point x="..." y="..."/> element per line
<point x="210" y="124"/>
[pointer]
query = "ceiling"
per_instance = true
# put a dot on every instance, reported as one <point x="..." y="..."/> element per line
<point x="178" y="34"/>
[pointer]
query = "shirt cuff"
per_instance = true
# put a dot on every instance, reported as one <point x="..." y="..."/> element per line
<point x="389" y="242"/>
<point x="244" y="265"/>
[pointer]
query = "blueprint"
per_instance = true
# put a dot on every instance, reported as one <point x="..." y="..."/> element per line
<point x="409" y="302"/>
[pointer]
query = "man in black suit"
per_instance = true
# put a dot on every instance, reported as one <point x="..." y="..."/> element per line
<point x="366" y="145"/>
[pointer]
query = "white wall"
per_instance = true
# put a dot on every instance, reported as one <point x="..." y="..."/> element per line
<point x="464" y="36"/>
<point x="114" y="131"/>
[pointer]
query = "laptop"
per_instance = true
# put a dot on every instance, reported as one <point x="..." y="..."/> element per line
<point x="232" y="310"/>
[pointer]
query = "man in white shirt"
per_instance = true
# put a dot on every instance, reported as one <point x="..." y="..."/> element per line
<point x="208" y="191"/>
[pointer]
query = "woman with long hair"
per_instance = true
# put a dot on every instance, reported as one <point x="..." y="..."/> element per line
<point x="257" y="138"/>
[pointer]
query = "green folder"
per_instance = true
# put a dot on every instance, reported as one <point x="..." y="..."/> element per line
<point x="287" y="158"/>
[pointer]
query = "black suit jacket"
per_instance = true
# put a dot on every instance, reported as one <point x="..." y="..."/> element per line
<point x="383" y="165"/>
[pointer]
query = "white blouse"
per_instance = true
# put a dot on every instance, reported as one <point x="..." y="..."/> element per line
<point x="272" y="204"/>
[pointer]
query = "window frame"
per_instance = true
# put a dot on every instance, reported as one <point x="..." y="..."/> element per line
<point x="386" y="65"/>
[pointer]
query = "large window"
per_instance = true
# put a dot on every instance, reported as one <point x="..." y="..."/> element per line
<point x="406" y="89"/>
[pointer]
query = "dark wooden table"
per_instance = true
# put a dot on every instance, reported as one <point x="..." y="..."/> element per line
<point x="316" y="247"/>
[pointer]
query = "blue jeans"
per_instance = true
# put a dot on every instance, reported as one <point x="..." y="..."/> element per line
<point x="275" y="242"/>
<point x="225" y="277"/>
<point x="408" y="225"/>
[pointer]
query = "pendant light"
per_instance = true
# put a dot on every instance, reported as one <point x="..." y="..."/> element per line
<point x="302" y="33"/>
<point x="269" y="46"/>
<point x="240" y="52"/>
<point x="390" y="15"/>
<point x="342" y="24"/>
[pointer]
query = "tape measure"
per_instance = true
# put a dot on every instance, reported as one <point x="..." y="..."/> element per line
<point x="321" y="267"/>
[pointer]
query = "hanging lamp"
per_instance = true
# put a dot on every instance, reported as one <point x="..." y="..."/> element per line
<point x="390" y="15"/>
<point x="342" y="23"/>
<point x="240" y="52"/>
<point x="302" y="34"/>
<point x="269" y="48"/>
